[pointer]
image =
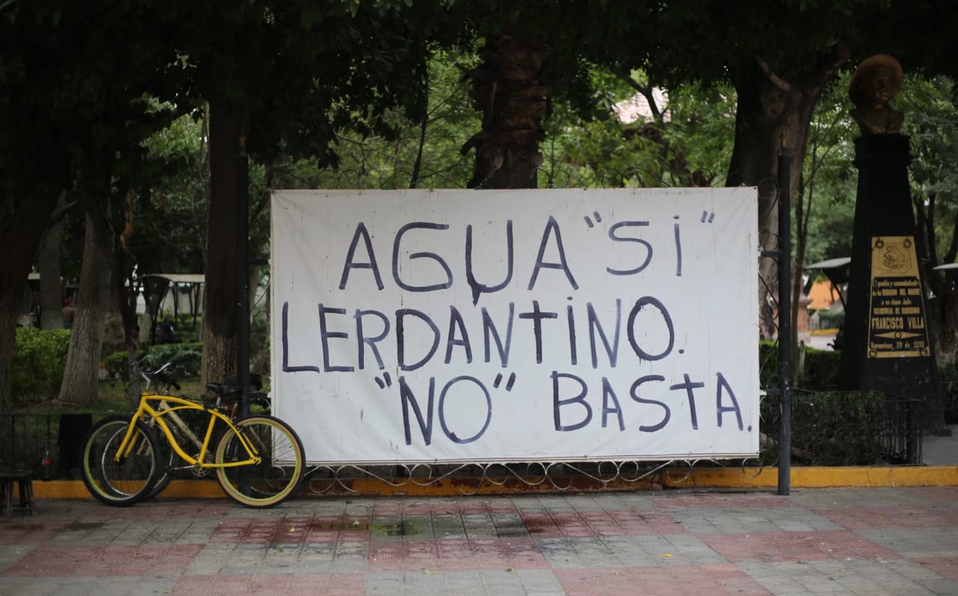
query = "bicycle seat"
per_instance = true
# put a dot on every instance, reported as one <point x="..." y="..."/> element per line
<point x="255" y="381"/>
<point x="224" y="390"/>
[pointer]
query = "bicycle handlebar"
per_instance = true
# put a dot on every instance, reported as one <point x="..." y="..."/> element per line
<point x="163" y="373"/>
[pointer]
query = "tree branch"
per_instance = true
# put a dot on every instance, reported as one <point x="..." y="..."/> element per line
<point x="774" y="78"/>
<point x="646" y="92"/>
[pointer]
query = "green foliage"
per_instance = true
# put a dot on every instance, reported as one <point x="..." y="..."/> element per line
<point x="932" y="125"/>
<point x="38" y="360"/>
<point x="172" y="202"/>
<point x="115" y="364"/>
<point x="949" y="393"/>
<point x="821" y="367"/>
<point x="829" y="179"/>
<point x="156" y="356"/>
<point x="690" y="144"/>
<point x="421" y="153"/>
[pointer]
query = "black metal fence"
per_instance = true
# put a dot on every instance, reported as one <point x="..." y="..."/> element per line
<point x="48" y="444"/>
<point x="828" y="429"/>
<point x="846" y="428"/>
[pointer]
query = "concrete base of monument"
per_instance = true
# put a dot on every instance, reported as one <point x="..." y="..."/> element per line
<point x="678" y="477"/>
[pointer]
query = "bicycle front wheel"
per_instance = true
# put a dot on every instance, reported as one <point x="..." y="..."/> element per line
<point x="282" y="461"/>
<point x="117" y="479"/>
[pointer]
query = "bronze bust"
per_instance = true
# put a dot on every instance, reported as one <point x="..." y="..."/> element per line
<point x="876" y="81"/>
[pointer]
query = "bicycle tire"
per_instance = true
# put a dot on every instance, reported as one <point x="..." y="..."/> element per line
<point x="168" y="459"/>
<point x="119" y="483"/>
<point x="277" y="477"/>
<point x="171" y="461"/>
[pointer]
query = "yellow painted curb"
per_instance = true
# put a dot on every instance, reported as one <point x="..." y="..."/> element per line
<point x="823" y="332"/>
<point x="74" y="489"/>
<point x="813" y="477"/>
<point x="801" y="477"/>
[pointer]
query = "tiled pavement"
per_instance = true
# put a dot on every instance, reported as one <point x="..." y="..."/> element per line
<point x="868" y="542"/>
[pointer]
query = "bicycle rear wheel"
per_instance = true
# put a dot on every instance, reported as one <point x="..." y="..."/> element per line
<point x="277" y="476"/>
<point x="125" y="480"/>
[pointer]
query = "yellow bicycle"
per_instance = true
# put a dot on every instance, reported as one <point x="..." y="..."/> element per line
<point x="259" y="460"/>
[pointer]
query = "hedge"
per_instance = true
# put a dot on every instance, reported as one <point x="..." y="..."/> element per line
<point x="39" y="357"/>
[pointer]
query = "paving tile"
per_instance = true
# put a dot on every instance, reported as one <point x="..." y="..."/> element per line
<point x="901" y="516"/>
<point x="284" y="584"/>
<point x="627" y="551"/>
<point x="895" y="577"/>
<point x="86" y="586"/>
<point x="718" y="580"/>
<point x="750" y="520"/>
<point x="399" y="506"/>
<point x="455" y="555"/>
<point x="239" y="559"/>
<point x="600" y="523"/>
<point x="946" y="495"/>
<point x="465" y="583"/>
<point x="34" y="531"/>
<point x="854" y="497"/>
<point x="916" y="543"/>
<point x="816" y="541"/>
<point x="945" y="567"/>
<point x="70" y="561"/>
<point x="796" y="546"/>
<point x="720" y="500"/>
<point x="12" y="554"/>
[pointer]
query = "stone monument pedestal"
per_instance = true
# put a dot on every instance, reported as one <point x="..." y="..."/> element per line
<point x="887" y="343"/>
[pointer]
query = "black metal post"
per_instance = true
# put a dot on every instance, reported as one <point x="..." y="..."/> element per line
<point x="242" y="278"/>
<point x="785" y="323"/>
<point x="912" y="455"/>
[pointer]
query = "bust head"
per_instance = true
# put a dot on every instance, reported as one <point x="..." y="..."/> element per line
<point x="876" y="81"/>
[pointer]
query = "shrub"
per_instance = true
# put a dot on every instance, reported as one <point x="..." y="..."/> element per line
<point x="156" y="356"/>
<point x="39" y="357"/>
<point x="821" y="367"/>
<point x="840" y="428"/>
<point x="115" y="365"/>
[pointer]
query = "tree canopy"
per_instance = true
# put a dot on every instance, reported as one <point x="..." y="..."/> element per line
<point x="93" y="97"/>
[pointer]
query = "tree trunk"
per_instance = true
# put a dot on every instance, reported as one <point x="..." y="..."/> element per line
<point x="19" y="238"/>
<point x="48" y="262"/>
<point x="124" y="288"/>
<point x="772" y="114"/>
<point x="508" y="90"/>
<point x="80" y="377"/>
<point x="219" y="314"/>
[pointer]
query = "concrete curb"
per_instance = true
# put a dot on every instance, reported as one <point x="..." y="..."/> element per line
<point x="745" y="478"/>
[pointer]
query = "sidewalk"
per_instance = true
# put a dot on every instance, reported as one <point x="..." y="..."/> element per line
<point x="862" y="541"/>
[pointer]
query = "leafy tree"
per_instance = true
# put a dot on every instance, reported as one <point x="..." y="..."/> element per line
<point x="67" y="101"/>
<point x="685" y="141"/>
<point x="932" y="123"/>
<point x="330" y="66"/>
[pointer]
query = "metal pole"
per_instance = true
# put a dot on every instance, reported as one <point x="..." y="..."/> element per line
<point x="785" y="323"/>
<point x="242" y="277"/>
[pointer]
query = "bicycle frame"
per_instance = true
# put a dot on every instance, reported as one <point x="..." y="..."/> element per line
<point x="147" y="412"/>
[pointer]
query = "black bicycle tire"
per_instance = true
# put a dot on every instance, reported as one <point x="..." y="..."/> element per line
<point x="104" y="435"/>
<point x="286" y="486"/>
<point x="165" y="474"/>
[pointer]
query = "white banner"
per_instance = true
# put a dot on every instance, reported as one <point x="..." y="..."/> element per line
<point x="538" y="325"/>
